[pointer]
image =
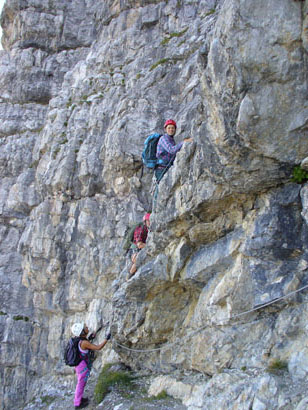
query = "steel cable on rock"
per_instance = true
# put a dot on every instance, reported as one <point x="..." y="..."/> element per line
<point x="221" y="324"/>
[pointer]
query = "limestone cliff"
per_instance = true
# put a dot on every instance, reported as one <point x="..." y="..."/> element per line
<point x="82" y="84"/>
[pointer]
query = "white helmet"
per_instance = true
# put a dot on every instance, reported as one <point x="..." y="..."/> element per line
<point x="77" y="329"/>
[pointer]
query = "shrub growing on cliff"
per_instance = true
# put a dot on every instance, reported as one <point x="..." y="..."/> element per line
<point x="299" y="175"/>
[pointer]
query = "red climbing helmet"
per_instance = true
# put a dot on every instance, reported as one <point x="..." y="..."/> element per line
<point x="146" y="217"/>
<point x="170" y="122"/>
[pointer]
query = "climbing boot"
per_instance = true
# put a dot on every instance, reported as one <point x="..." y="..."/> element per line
<point x="82" y="405"/>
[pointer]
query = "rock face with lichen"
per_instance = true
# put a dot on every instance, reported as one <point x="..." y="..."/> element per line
<point x="218" y="288"/>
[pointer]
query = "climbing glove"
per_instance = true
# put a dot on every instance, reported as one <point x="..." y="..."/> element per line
<point x="92" y="336"/>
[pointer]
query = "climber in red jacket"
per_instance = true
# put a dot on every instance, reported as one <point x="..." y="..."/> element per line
<point x="140" y="237"/>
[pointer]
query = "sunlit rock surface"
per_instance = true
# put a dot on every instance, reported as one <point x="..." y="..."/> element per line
<point x="214" y="302"/>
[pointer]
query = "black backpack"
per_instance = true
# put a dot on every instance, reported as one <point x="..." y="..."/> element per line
<point x="72" y="356"/>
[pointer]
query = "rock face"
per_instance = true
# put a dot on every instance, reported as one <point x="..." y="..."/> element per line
<point x="82" y="84"/>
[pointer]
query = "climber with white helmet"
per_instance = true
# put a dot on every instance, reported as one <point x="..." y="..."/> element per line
<point x="80" y="331"/>
<point x="139" y="239"/>
<point x="167" y="149"/>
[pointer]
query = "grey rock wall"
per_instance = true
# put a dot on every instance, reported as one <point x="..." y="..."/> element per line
<point x="82" y="84"/>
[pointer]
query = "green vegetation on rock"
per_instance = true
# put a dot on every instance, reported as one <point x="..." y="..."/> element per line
<point x="276" y="365"/>
<point x="107" y="379"/>
<point x="160" y="62"/>
<point x="173" y="35"/>
<point x="20" y="317"/>
<point x="47" y="399"/>
<point x="299" y="175"/>
<point x="161" y="396"/>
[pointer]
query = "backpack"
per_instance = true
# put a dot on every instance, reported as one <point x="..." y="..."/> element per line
<point x="149" y="152"/>
<point x="129" y="236"/>
<point x="72" y="356"/>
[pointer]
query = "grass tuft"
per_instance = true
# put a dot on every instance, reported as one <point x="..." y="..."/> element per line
<point x="163" y="395"/>
<point x="47" y="399"/>
<point x="277" y="364"/>
<point x="107" y="379"/>
<point x="20" y="317"/>
<point x="173" y="35"/>
<point x="160" y="62"/>
<point x="212" y="11"/>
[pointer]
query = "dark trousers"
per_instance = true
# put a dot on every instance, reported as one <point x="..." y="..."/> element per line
<point x="159" y="173"/>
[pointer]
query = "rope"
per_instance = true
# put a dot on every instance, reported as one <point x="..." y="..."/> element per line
<point x="139" y="350"/>
<point x="269" y="303"/>
<point x="203" y="327"/>
<point x="154" y="188"/>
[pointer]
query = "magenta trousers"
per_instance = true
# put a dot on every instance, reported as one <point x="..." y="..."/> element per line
<point x="82" y="372"/>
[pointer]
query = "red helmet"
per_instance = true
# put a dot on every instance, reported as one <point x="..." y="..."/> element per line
<point x="170" y="122"/>
<point x="146" y="217"/>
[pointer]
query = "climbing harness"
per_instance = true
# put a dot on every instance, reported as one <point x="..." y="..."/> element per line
<point x="221" y="324"/>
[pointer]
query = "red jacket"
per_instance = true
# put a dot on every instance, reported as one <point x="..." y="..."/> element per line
<point x="140" y="234"/>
